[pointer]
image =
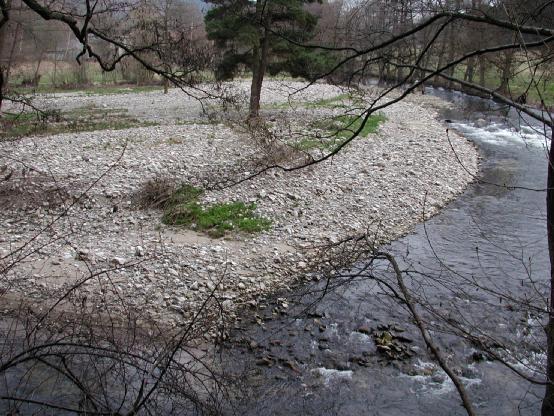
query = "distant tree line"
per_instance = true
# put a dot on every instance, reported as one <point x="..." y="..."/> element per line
<point x="520" y="73"/>
<point x="162" y="32"/>
<point x="237" y="36"/>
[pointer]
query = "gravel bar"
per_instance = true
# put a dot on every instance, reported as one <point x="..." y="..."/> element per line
<point x="67" y="210"/>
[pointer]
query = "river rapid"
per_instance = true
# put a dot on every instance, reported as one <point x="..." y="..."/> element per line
<point x="471" y="264"/>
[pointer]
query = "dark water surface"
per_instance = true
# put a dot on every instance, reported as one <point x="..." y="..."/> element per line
<point x="493" y="237"/>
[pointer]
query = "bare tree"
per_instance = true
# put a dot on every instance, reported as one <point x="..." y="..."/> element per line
<point x="96" y="28"/>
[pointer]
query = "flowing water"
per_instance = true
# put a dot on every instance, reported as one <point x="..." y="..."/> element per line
<point x="489" y="243"/>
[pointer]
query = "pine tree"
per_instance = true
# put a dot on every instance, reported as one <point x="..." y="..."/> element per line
<point x="262" y="35"/>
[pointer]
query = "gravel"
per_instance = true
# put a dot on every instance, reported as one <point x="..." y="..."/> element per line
<point x="189" y="104"/>
<point x="68" y="212"/>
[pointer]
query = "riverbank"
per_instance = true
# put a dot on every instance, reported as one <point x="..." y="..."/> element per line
<point x="324" y="355"/>
<point x="69" y="210"/>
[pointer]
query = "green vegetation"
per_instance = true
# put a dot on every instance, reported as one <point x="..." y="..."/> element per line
<point x="242" y="42"/>
<point x="337" y="129"/>
<point x="346" y="125"/>
<point x="53" y="122"/>
<point x="24" y="124"/>
<point x="333" y="102"/>
<point x="87" y="77"/>
<point x="230" y="24"/>
<point x="183" y="209"/>
<point x="518" y="83"/>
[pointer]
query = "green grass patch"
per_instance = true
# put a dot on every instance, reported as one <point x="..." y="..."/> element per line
<point x="183" y="209"/>
<point x="310" y="144"/>
<point x="346" y="125"/>
<point x="13" y="125"/>
<point x="19" y="117"/>
<point x="520" y="84"/>
<point x="333" y="102"/>
<point x="337" y="129"/>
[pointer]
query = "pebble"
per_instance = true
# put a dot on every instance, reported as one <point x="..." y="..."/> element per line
<point x="118" y="261"/>
<point x="366" y="183"/>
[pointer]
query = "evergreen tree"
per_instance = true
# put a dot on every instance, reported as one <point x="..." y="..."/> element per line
<point x="258" y="35"/>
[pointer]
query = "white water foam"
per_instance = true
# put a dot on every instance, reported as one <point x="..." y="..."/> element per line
<point x="495" y="133"/>
<point x="436" y="381"/>
<point x="330" y="375"/>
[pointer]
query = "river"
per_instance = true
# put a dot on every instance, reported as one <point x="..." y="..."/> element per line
<point x="471" y="263"/>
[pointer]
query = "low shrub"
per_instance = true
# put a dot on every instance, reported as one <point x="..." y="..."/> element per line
<point x="183" y="209"/>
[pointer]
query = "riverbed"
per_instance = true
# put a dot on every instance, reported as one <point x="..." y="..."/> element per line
<point x="304" y="355"/>
<point x="480" y="265"/>
<point x="69" y="208"/>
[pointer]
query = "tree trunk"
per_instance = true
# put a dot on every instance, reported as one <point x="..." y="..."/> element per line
<point x="12" y="54"/>
<point x="440" y="63"/>
<point x="382" y="68"/>
<point x="258" y="77"/>
<point x="388" y="73"/>
<point x="482" y="71"/>
<point x="506" y="73"/>
<point x="36" y="77"/>
<point x="470" y="70"/>
<point x="2" y="40"/>
<point x="548" y="401"/>
<point x="259" y="66"/>
<point x="254" y="91"/>
<point x="399" y="70"/>
<point x="167" y="42"/>
<point x="452" y="41"/>
<point x="450" y="57"/>
<point x="1" y="90"/>
<point x="55" y="75"/>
